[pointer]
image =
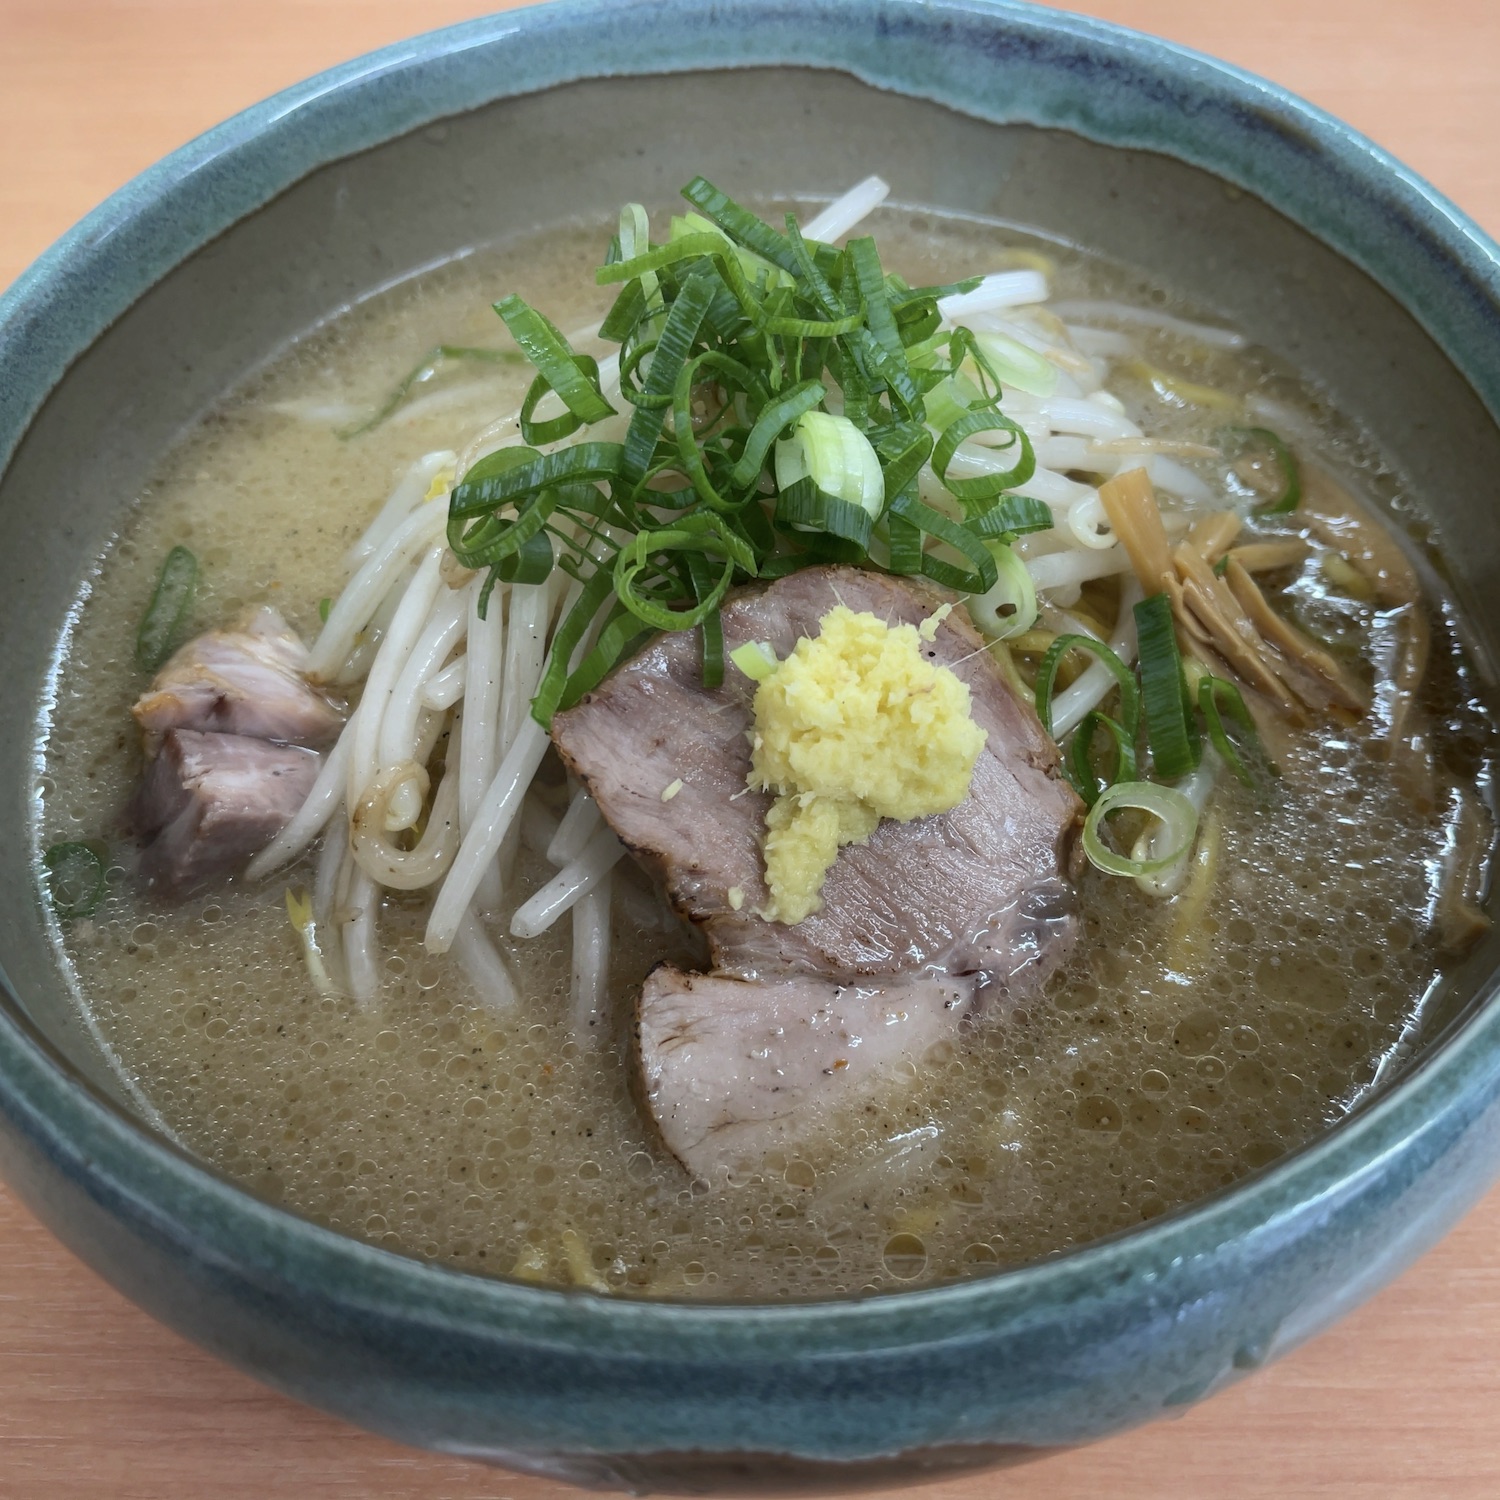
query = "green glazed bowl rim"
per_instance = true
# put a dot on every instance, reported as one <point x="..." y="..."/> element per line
<point x="1431" y="256"/>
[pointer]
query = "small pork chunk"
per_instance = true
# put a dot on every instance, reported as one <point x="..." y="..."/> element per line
<point x="733" y="1069"/>
<point x="209" y="802"/>
<point x="249" y="680"/>
<point x="977" y="889"/>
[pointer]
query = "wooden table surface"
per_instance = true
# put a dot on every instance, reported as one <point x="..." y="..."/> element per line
<point x="96" y="1400"/>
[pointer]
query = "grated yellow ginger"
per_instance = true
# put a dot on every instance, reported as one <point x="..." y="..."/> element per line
<point x="854" y="726"/>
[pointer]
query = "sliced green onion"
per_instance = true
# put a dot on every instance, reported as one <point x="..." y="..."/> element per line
<point x="905" y="543"/>
<point x="1046" y="679"/>
<point x="949" y="399"/>
<point x="681" y="226"/>
<point x="1197" y="786"/>
<point x="494" y="539"/>
<point x="1011" y="515"/>
<point x="697" y="534"/>
<point x="691" y="453"/>
<point x="74" y="880"/>
<point x="1238" y="441"/>
<point x="531" y="562"/>
<point x="740" y="224"/>
<point x="1017" y="365"/>
<point x="1009" y="607"/>
<point x="802" y="506"/>
<point x="878" y="346"/>
<point x="635" y="239"/>
<point x="167" y="612"/>
<point x="1216" y="697"/>
<point x="787" y="326"/>
<point x="796" y="406"/>
<point x="556" y="679"/>
<point x="836" y="456"/>
<point x="324" y="605"/>
<point x="689" y="248"/>
<point x="1078" y="763"/>
<point x="630" y="311"/>
<point x="554" y="429"/>
<point x="1170" y="725"/>
<point x="500" y="479"/>
<point x="903" y="448"/>
<point x="984" y="486"/>
<point x="559" y="369"/>
<point x="923" y="354"/>
<point x="805" y="255"/>
<point x="907" y="507"/>
<point x="501" y="461"/>
<point x="865" y="259"/>
<point x="907" y="295"/>
<point x="711" y="627"/>
<point x="677" y="337"/>
<point x="755" y="659"/>
<point x="430" y="367"/>
<point x="1179" y="826"/>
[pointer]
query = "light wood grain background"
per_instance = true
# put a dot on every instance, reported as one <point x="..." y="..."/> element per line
<point x="97" y="1401"/>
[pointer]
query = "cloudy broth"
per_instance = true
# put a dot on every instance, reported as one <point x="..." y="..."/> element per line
<point x="1186" y="1043"/>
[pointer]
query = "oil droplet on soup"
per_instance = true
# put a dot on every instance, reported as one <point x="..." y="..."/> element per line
<point x="1159" y="1065"/>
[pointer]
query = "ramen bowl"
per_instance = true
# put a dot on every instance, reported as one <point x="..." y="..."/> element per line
<point x="1245" y="198"/>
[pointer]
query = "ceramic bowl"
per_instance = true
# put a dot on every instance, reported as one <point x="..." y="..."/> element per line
<point x="1247" y="199"/>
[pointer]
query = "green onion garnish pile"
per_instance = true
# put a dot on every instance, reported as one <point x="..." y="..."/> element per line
<point x="783" y="398"/>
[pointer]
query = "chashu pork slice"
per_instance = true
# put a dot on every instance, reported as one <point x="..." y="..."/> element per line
<point x="734" y="1068"/>
<point x="981" y="889"/>
<point x="248" y="681"/>
<point x="208" y="802"/>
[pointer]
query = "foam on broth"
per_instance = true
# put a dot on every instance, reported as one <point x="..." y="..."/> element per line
<point x="1176" y="1053"/>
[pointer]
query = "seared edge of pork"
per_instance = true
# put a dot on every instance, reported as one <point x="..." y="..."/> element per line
<point x="249" y="680"/>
